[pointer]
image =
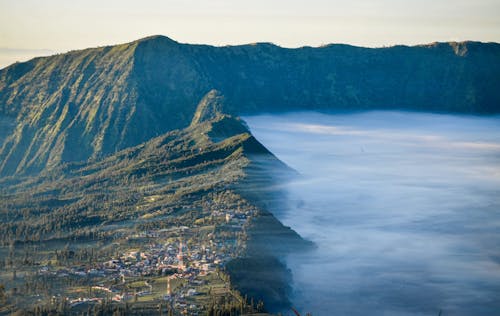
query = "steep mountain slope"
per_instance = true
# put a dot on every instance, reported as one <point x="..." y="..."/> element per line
<point x="178" y="181"/>
<point x="59" y="106"/>
<point x="94" y="102"/>
<point x="149" y="179"/>
<point x="84" y="104"/>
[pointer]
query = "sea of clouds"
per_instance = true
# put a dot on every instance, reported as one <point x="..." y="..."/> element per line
<point x="404" y="208"/>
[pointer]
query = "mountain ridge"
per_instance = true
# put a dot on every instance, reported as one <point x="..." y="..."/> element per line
<point x="181" y="179"/>
<point x="166" y="162"/>
<point x="92" y="103"/>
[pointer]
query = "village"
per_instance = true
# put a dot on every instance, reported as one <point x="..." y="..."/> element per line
<point x="180" y="268"/>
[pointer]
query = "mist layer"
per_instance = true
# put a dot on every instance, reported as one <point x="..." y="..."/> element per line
<point x="404" y="208"/>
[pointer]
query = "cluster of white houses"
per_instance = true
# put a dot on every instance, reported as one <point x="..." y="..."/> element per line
<point x="174" y="259"/>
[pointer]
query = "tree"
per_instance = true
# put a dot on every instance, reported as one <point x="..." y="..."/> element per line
<point x="3" y="295"/>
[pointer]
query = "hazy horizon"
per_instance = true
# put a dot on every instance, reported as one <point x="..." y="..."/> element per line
<point x="9" y="56"/>
<point x="60" y="26"/>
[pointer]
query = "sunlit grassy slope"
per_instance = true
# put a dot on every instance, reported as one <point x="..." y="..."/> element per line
<point x="138" y="184"/>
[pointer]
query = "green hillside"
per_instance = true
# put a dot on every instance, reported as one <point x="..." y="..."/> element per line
<point x="177" y="185"/>
<point x="155" y="177"/>
<point x="95" y="102"/>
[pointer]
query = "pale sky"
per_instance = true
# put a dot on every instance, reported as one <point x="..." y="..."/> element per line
<point x="31" y="28"/>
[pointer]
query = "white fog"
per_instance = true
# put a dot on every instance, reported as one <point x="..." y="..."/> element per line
<point x="404" y="208"/>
